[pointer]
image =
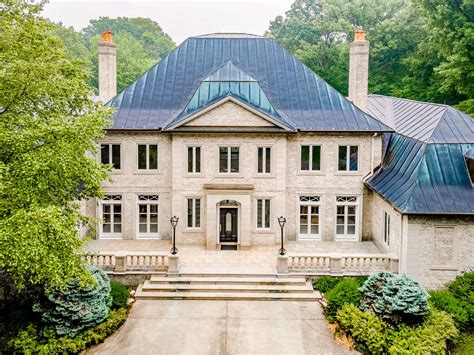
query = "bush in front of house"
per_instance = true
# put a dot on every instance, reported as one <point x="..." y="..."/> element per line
<point x="427" y="338"/>
<point x="346" y="291"/>
<point x="325" y="284"/>
<point x="368" y="330"/>
<point x="119" y="294"/>
<point x="29" y="342"/>
<point x="395" y="298"/>
<point x="77" y="307"/>
<point x="457" y="308"/>
<point x="463" y="286"/>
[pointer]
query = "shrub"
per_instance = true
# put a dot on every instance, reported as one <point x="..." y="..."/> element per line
<point x="119" y="294"/>
<point x="368" y="330"/>
<point x="457" y="308"/>
<point x="394" y="298"/>
<point x="27" y="341"/>
<point x="346" y="291"/>
<point x="326" y="283"/>
<point x="463" y="286"/>
<point x="78" y="307"/>
<point x="428" y="338"/>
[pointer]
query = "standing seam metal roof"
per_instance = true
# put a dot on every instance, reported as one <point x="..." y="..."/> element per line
<point x="306" y="101"/>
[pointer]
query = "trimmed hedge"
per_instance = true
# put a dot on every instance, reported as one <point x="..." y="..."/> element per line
<point x="346" y="291"/>
<point x="27" y="342"/>
<point x="457" y="308"/>
<point x="368" y="330"/>
<point x="119" y="294"/>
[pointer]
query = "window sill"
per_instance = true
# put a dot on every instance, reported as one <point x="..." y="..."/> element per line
<point x="229" y="175"/>
<point x="444" y="267"/>
<point x="146" y="237"/>
<point x="103" y="237"/>
<point x="309" y="239"/>
<point x="264" y="176"/>
<point x="193" y="175"/>
<point x="264" y="231"/>
<point x="347" y="173"/>
<point x="193" y="230"/>
<point x="311" y="173"/>
<point x="147" y="172"/>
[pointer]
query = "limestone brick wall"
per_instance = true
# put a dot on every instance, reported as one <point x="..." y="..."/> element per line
<point x="379" y="207"/>
<point x="329" y="182"/>
<point x="439" y="248"/>
<point x="131" y="182"/>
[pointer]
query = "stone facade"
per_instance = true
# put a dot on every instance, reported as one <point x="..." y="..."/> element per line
<point x="283" y="186"/>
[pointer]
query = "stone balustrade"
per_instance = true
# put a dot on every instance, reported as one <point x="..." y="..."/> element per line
<point x="336" y="264"/>
<point x="131" y="262"/>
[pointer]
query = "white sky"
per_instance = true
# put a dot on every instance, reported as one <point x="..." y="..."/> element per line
<point x="179" y="18"/>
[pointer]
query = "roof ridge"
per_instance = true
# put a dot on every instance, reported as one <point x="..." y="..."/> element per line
<point x="410" y="100"/>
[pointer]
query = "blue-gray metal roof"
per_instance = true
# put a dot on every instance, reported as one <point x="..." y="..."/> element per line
<point x="469" y="154"/>
<point x="423" y="170"/>
<point x="426" y="122"/>
<point x="306" y="101"/>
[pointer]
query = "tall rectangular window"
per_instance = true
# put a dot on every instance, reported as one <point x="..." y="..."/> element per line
<point x="309" y="213"/>
<point x="263" y="214"/>
<point x="386" y="228"/>
<point x="310" y="157"/>
<point x="264" y="160"/>
<point x="194" y="212"/>
<point x="348" y="158"/>
<point x="148" y="216"/>
<point x="148" y="156"/>
<point x="110" y="154"/>
<point x="347" y="210"/>
<point x="111" y="216"/>
<point x="229" y="159"/>
<point x="194" y="159"/>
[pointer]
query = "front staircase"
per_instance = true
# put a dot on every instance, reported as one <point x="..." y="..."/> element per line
<point x="219" y="286"/>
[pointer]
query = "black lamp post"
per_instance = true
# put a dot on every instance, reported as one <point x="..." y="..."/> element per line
<point x="281" y="222"/>
<point x="174" y="222"/>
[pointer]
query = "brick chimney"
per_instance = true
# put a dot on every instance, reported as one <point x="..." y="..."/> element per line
<point x="107" y="67"/>
<point x="359" y="70"/>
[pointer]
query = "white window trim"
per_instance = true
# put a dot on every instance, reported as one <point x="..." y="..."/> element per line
<point x="386" y="228"/>
<point x="112" y="235"/>
<point x="193" y="159"/>
<point x="147" y="162"/>
<point x="310" y="170"/>
<point x="358" y="204"/>
<point x="306" y="237"/>
<point x="193" y="227"/>
<point x="109" y="143"/>
<point x="137" y="218"/>
<point x="348" y="154"/>
<point x="264" y="159"/>
<point x="229" y="160"/>
<point x="270" y="225"/>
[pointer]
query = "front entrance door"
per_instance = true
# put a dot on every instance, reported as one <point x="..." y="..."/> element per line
<point x="228" y="225"/>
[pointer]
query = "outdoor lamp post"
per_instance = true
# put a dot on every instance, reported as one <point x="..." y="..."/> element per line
<point x="174" y="222"/>
<point x="281" y="222"/>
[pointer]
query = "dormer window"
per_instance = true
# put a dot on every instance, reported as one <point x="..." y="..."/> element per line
<point x="469" y="160"/>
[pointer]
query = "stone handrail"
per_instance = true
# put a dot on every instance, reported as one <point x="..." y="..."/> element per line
<point x="134" y="262"/>
<point x="337" y="264"/>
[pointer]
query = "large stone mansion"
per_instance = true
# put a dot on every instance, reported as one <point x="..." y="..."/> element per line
<point x="230" y="131"/>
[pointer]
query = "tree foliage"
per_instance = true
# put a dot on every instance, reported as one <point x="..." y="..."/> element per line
<point x="77" y="307"/>
<point x="48" y="125"/>
<point x="420" y="49"/>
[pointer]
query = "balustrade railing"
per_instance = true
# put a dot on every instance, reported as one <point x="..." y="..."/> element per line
<point x="122" y="262"/>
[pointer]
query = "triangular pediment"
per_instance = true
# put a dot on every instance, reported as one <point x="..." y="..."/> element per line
<point x="229" y="113"/>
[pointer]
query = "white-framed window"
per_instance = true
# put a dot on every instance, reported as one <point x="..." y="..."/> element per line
<point x="194" y="159"/>
<point x="263" y="213"/>
<point x="147" y="217"/>
<point x="347" y="218"/>
<point x="264" y="160"/>
<point x="348" y="158"/>
<point x="386" y="228"/>
<point x="194" y="212"/>
<point x="310" y="158"/>
<point x="111" y="216"/>
<point x="229" y="160"/>
<point x="110" y="154"/>
<point x="147" y="157"/>
<point x="310" y="217"/>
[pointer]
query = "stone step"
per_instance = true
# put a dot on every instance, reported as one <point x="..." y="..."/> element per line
<point x="238" y="296"/>
<point x="227" y="271"/>
<point x="229" y="280"/>
<point x="221" y="287"/>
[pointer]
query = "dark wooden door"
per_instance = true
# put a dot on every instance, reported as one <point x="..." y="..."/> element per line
<point x="228" y="225"/>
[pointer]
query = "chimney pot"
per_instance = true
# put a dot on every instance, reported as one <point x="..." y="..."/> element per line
<point x="107" y="36"/>
<point x="359" y="35"/>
